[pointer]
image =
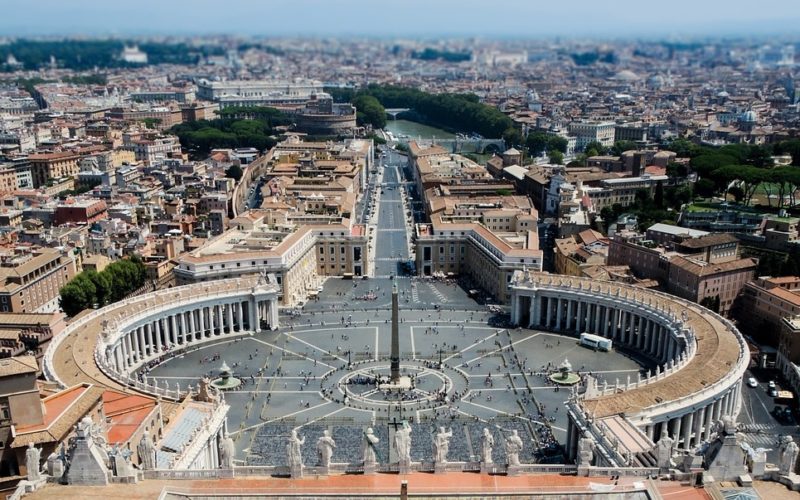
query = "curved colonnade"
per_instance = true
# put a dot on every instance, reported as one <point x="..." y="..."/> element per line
<point x="108" y="345"/>
<point x="699" y="358"/>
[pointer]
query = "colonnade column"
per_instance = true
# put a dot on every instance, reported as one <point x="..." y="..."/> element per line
<point x="709" y="420"/>
<point x="126" y="341"/>
<point x="136" y="355"/>
<point x="570" y="307"/>
<point x="623" y="326"/>
<point x="229" y="310"/>
<point x="558" y="314"/>
<point x="687" y="430"/>
<point x="173" y="333"/>
<point x="597" y="313"/>
<point x="162" y="327"/>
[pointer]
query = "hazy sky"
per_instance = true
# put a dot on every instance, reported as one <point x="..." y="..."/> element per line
<point x="518" y="18"/>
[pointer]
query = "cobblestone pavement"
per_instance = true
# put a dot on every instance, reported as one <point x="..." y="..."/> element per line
<point x="285" y="371"/>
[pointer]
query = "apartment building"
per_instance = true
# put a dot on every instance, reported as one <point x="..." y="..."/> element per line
<point x="46" y="166"/>
<point x="296" y="257"/>
<point x="765" y="302"/>
<point x="575" y="252"/>
<point x="701" y="267"/>
<point x="30" y="282"/>
<point x="588" y="131"/>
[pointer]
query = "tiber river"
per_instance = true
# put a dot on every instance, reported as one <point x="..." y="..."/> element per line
<point x="415" y="130"/>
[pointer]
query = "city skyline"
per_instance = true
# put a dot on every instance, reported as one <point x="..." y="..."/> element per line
<point x="414" y="18"/>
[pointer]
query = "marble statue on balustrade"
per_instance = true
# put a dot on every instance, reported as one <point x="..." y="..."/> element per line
<point x="147" y="452"/>
<point x="586" y="448"/>
<point x="513" y="447"/>
<point x="723" y="455"/>
<point x="664" y="450"/>
<point x="55" y="466"/>
<point x="487" y="443"/>
<point x="441" y="445"/>
<point x="121" y="462"/>
<point x="756" y="459"/>
<point x="293" y="456"/>
<point x="370" y="448"/>
<point x="788" y="455"/>
<point x="325" y="447"/>
<point x="402" y="443"/>
<point x="226" y="452"/>
<point x="32" y="455"/>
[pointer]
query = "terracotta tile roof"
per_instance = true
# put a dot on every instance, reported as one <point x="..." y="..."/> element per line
<point x="63" y="410"/>
<point x="126" y="413"/>
<point x="18" y="365"/>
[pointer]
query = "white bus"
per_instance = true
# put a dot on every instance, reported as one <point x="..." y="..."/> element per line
<point x="595" y="342"/>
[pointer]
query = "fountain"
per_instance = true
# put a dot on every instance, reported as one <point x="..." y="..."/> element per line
<point x="565" y="375"/>
<point x="226" y="379"/>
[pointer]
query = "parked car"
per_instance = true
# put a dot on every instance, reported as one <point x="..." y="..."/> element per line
<point x="752" y="382"/>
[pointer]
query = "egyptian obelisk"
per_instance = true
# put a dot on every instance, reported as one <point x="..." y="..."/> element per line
<point x="395" y="356"/>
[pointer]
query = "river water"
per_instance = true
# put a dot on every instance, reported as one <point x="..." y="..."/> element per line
<point x="415" y="130"/>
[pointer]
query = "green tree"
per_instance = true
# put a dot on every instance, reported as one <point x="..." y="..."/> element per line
<point x="234" y="172"/>
<point x="74" y="298"/>
<point x="558" y="143"/>
<point x="556" y="157"/>
<point x="537" y="143"/>
<point x="594" y="148"/>
<point x="151" y="123"/>
<point x="705" y="188"/>
<point x="658" y="196"/>
<point x="711" y="303"/>
<point x="512" y="137"/>
<point x="620" y="147"/>
<point x="749" y="177"/>
<point x="102" y="286"/>
<point x="369" y="111"/>
<point x="677" y="170"/>
<point x="683" y="148"/>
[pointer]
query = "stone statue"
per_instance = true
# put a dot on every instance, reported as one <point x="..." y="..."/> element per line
<point x="120" y="460"/>
<point x="513" y="448"/>
<point x="402" y="443"/>
<point x="147" y="452"/>
<point x="370" y="447"/>
<point x="585" y="451"/>
<point x="32" y="462"/>
<point x="664" y="449"/>
<point x="728" y="425"/>
<point x="55" y="466"/>
<point x="293" y="455"/>
<point x="787" y="452"/>
<point x="226" y="452"/>
<point x="487" y="442"/>
<point x="325" y="446"/>
<point x="441" y="445"/>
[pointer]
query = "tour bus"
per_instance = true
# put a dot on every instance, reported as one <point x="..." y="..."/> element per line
<point x="595" y="342"/>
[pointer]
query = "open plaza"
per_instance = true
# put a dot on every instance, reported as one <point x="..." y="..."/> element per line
<point x="490" y="376"/>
